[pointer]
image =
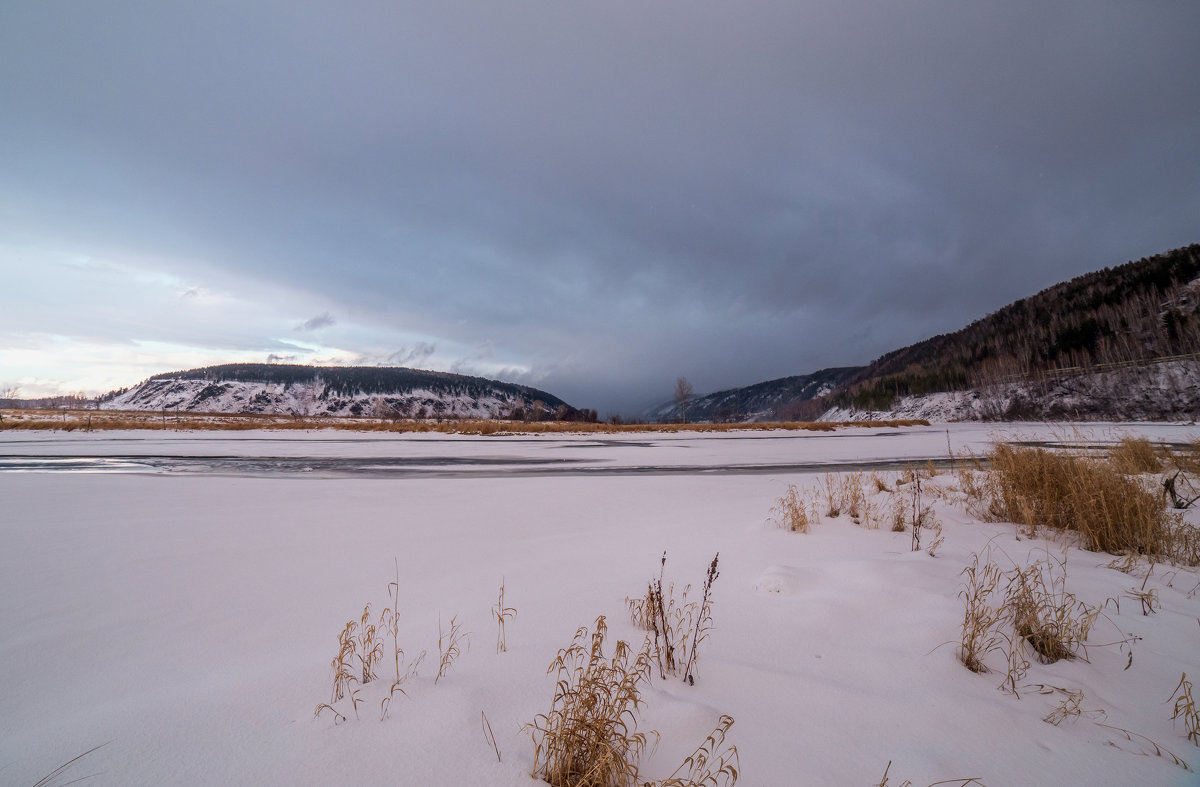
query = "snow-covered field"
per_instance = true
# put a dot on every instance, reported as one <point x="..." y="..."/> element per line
<point x="185" y="614"/>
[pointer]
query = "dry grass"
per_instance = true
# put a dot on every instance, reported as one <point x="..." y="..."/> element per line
<point x="790" y="511"/>
<point x="502" y="614"/>
<point x="980" y="618"/>
<point x="450" y="646"/>
<point x="853" y="500"/>
<point x="589" y="737"/>
<point x="839" y="493"/>
<point x="69" y="420"/>
<point x="1036" y="611"/>
<point x="1147" y="598"/>
<point x="677" y="625"/>
<point x="360" y="649"/>
<point x="1185" y="708"/>
<point x="389" y="621"/>
<point x="1142" y="742"/>
<point x="908" y="783"/>
<point x="709" y="765"/>
<point x="370" y="646"/>
<point x="667" y="618"/>
<point x="1044" y="614"/>
<point x="1111" y="512"/>
<point x="1187" y="460"/>
<point x="1069" y="707"/>
<point x="51" y="778"/>
<point x="488" y="735"/>
<point x="1134" y="456"/>
<point x="831" y="491"/>
<point x="704" y="623"/>
<point x="358" y="642"/>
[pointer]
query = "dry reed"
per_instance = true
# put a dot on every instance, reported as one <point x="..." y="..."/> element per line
<point x="709" y="765"/>
<point x="1185" y="708"/>
<point x="589" y="737"/>
<point x="450" y="646"/>
<point x="704" y="623"/>
<point x="1134" y="456"/>
<point x="677" y="626"/>
<point x="1111" y="512"/>
<point x="980" y="618"/>
<point x="1044" y="614"/>
<point x="790" y="512"/>
<point x="502" y="614"/>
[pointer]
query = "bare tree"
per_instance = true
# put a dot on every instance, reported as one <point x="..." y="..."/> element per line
<point x="8" y="392"/>
<point x="683" y="393"/>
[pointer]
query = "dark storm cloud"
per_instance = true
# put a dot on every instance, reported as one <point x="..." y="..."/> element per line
<point x="616" y="193"/>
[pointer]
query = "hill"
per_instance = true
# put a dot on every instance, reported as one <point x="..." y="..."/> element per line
<point x="380" y="391"/>
<point x="1134" y="314"/>
<point x="759" y="402"/>
<point x="1121" y="343"/>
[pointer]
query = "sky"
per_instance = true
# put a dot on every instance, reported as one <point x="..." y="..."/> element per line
<point x="593" y="198"/>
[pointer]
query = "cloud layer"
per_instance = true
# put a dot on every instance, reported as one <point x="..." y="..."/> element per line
<point x="591" y="197"/>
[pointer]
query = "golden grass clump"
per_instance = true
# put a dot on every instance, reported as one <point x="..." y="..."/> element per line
<point x="1035" y="610"/>
<point x="899" y="513"/>
<point x="790" y="512"/>
<point x="360" y="649"/>
<point x="854" y="501"/>
<point x="1044" y="614"/>
<point x="1134" y="456"/>
<point x="980" y="618"/>
<point x="1111" y="512"/>
<point x="589" y="737"/>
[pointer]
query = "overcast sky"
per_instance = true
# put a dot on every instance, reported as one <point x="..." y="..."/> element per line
<point x="589" y="197"/>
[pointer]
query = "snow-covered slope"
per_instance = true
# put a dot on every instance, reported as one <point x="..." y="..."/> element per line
<point x="1167" y="391"/>
<point x="329" y="391"/>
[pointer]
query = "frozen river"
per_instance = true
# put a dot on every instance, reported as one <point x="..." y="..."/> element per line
<point x="333" y="455"/>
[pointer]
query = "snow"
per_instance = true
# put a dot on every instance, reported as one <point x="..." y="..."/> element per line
<point x="1164" y="390"/>
<point x="302" y="398"/>
<point x="187" y="619"/>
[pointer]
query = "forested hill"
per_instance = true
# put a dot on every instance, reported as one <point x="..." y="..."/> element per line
<point x="1140" y="311"/>
<point x="338" y="390"/>
<point x="760" y="401"/>
<point x="351" y="380"/>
